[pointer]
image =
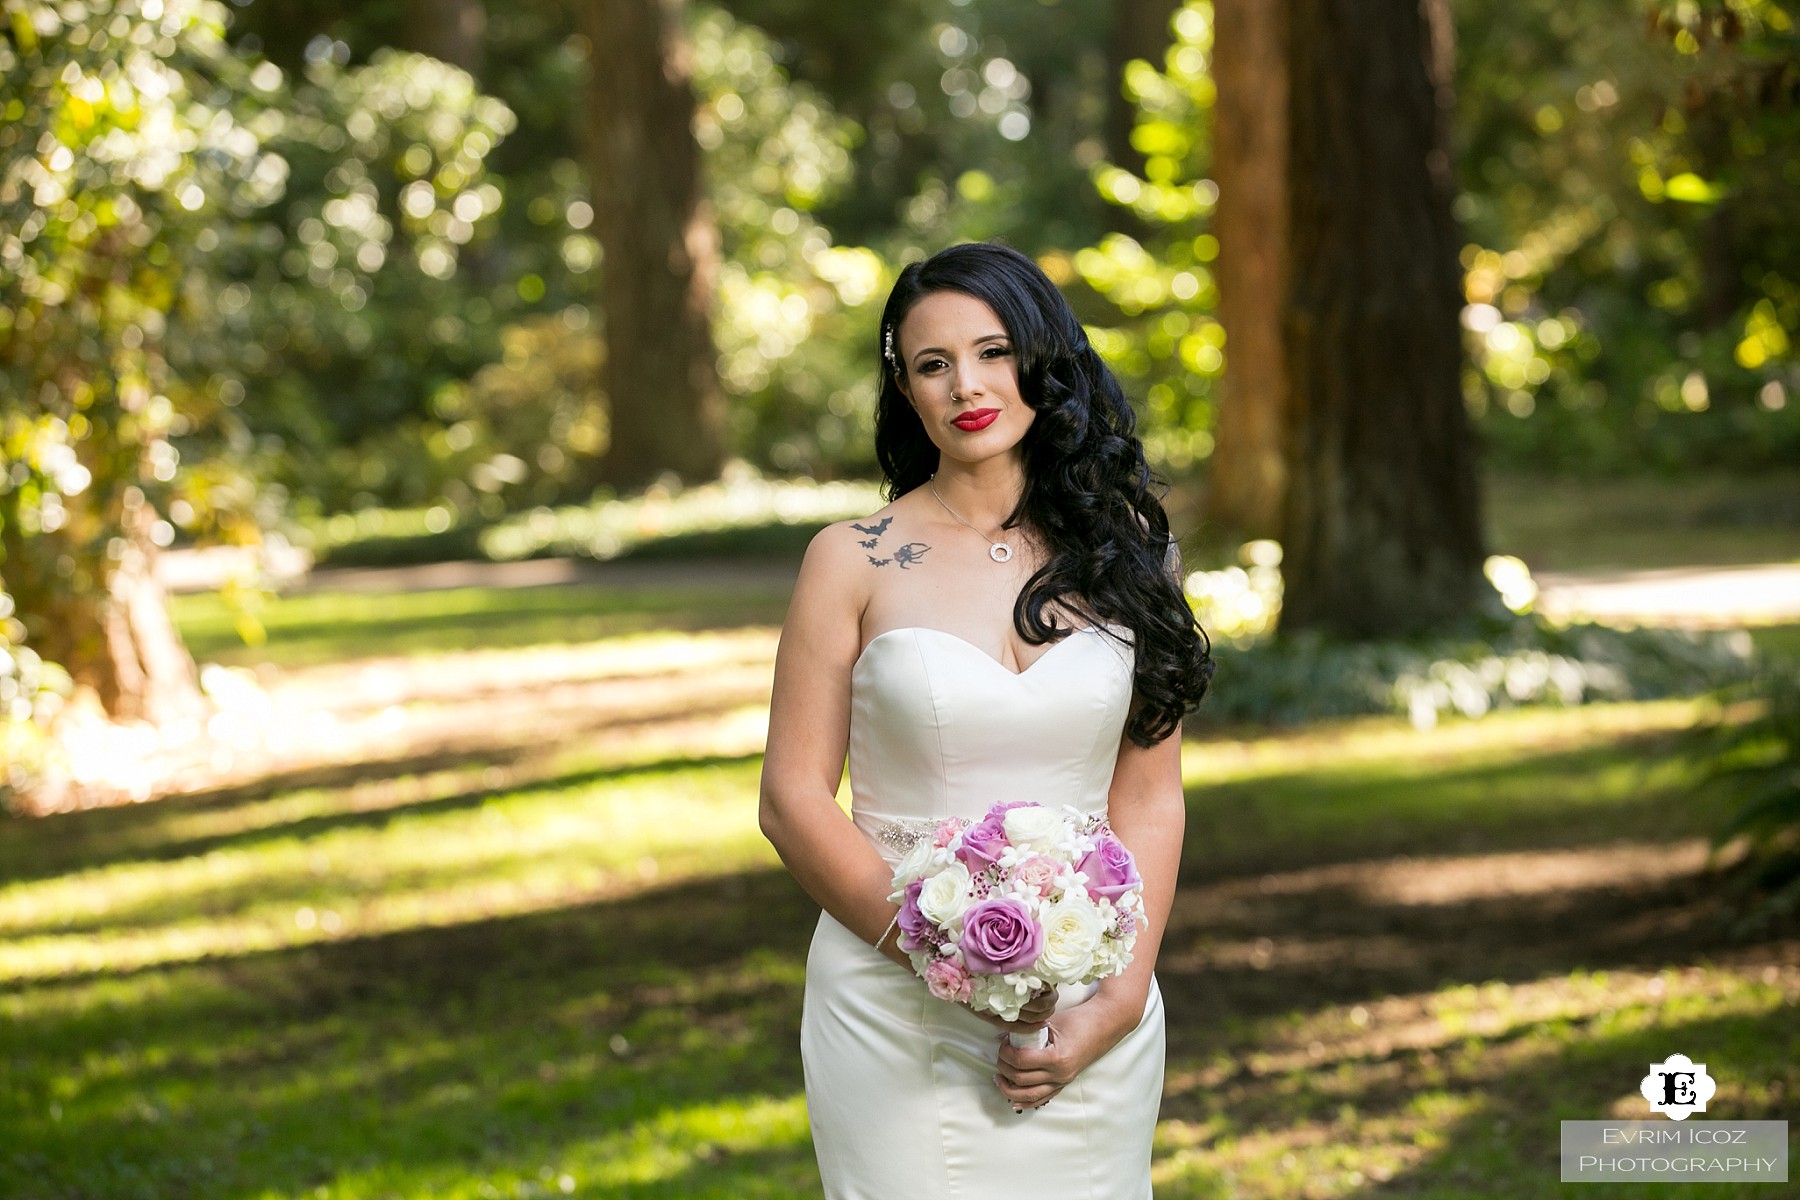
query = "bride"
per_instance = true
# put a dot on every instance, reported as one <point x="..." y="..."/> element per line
<point x="1010" y="627"/>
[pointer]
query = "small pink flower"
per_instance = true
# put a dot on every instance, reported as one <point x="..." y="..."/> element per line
<point x="948" y="980"/>
<point x="949" y="829"/>
<point x="1038" y="874"/>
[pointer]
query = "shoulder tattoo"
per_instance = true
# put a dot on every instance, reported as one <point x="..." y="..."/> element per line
<point x="905" y="555"/>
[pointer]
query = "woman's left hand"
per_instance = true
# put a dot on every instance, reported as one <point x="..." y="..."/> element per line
<point x="1079" y="1036"/>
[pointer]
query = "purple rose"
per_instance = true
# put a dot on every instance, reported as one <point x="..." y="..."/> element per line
<point x="1000" y="936"/>
<point x="983" y="843"/>
<point x="1109" y="868"/>
<point x="913" y="923"/>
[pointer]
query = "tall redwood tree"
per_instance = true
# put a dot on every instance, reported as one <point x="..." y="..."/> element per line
<point x="1381" y="522"/>
<point x="1246" y="476"/>
<point x="659" y="245"/>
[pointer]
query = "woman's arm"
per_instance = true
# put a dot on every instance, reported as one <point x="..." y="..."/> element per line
<point x="809" y="730"/>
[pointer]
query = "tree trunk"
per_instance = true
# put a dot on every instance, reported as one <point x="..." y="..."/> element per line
<point x="660" y="247"/>
<point x="1382" y="522"/>
<point x="112" y="634"/>
<point x="449" y="30"/>
<point x="1246" y="475"/>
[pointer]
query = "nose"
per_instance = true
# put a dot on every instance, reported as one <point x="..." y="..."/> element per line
<point x="965" y="379"/>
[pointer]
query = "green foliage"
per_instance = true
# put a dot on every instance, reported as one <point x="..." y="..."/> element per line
<point x="352" y="300"/>
<point x="796" y="315"/>
<point x="132" y="137"/>
<point x="980" y="120"/>
<point x="1755" y="764"/>
<point x="1160" y="334"/>
<point x="1634" y="274"/>
<point x="526" y="430"/>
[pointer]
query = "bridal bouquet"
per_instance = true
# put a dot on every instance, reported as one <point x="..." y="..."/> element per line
<point x="1028" y="897"/>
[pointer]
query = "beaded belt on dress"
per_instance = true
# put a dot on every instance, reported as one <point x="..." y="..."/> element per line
<point x="901" y="834"/>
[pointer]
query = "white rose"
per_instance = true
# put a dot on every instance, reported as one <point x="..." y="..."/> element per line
<point x="913" y="865"/>
<point x="1033" y="827"/>
<point x="945" y="895"/>
<point x="1073" y="931"/>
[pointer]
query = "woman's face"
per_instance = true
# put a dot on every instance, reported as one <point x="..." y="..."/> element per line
<point x="958" y="368"/>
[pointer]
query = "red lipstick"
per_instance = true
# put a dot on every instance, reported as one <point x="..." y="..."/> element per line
<point x="975" y="419"/>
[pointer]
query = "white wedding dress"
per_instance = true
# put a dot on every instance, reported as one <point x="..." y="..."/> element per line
<point x="900" y="1085"/>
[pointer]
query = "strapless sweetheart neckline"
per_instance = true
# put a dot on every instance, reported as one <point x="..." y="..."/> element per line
<point x="977" y="650"/>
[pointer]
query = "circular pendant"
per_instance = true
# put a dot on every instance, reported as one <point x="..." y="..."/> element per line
<point x="1000" y="552"/>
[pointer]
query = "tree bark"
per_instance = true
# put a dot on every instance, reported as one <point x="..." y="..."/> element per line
<point x="660" y="247"/>
<point x="449" y="30"/>
<point x="108" y="626"/>
<point x="1382" y="521"/>
<point x="1246" y="476"/>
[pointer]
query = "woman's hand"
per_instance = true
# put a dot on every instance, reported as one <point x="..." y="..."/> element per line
<point x="1034" y="1014"/>
<point x="1029" y="1078"/>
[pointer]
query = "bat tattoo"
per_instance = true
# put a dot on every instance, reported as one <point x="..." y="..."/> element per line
<point x="906" y="555"/>
<point x="874" y="531"/>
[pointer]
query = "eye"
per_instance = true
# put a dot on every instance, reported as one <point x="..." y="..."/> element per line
<point x="930" y="364"/>
<point x="996" y="351"/>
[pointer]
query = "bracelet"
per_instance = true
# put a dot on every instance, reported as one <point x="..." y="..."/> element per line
<point x="888" y="930"/>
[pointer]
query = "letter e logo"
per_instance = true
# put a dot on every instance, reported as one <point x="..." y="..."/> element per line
<point x="1678" y="1087"/>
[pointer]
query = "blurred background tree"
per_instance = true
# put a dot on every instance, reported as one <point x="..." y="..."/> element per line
<point x="660" y="244"/>
<point x="131" y="141"/>
<point x="1380" y="523"/>
<point x="1628" y="174"/>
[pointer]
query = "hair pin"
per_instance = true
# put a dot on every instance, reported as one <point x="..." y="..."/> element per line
<point x="887" y="348"/>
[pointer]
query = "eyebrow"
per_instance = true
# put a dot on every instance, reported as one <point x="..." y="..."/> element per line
<point x="983" y="339"/>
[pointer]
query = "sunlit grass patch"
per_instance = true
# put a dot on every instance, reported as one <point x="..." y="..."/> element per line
<point x="540" y="846"/>
<point x="1459" y="1092"/>
<point x="315" y="627"/>
<point x="1645" y="522"/>
<point x="1358" y="788"/>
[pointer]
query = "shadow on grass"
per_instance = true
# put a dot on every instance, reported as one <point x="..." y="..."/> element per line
<point x="661" y="1030"/>
<point x="1632" y="786"/>
<point x="486" y="1049"/>
<point x="648" y="1045"/>
<point x="42" y="835"/>
<point x="45" y="847"/>
<point x="1514" y="1127"/>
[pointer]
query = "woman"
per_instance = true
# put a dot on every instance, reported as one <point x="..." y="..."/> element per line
<point x="1010" y="626"/>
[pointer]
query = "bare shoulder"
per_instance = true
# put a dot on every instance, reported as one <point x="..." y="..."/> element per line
<point x="839" y="549"/>
<point x="836" y="581"/>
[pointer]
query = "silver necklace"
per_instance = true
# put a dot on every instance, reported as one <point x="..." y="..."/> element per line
<point x="998" y="551"/>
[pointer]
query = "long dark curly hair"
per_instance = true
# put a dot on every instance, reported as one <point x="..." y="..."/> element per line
<point x="1089" y="493"/>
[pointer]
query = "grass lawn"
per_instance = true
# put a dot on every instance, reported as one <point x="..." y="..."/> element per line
<point x="568" y="965"/>
<point x="1620" y="524"/>
<point x="321" y="627"/>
